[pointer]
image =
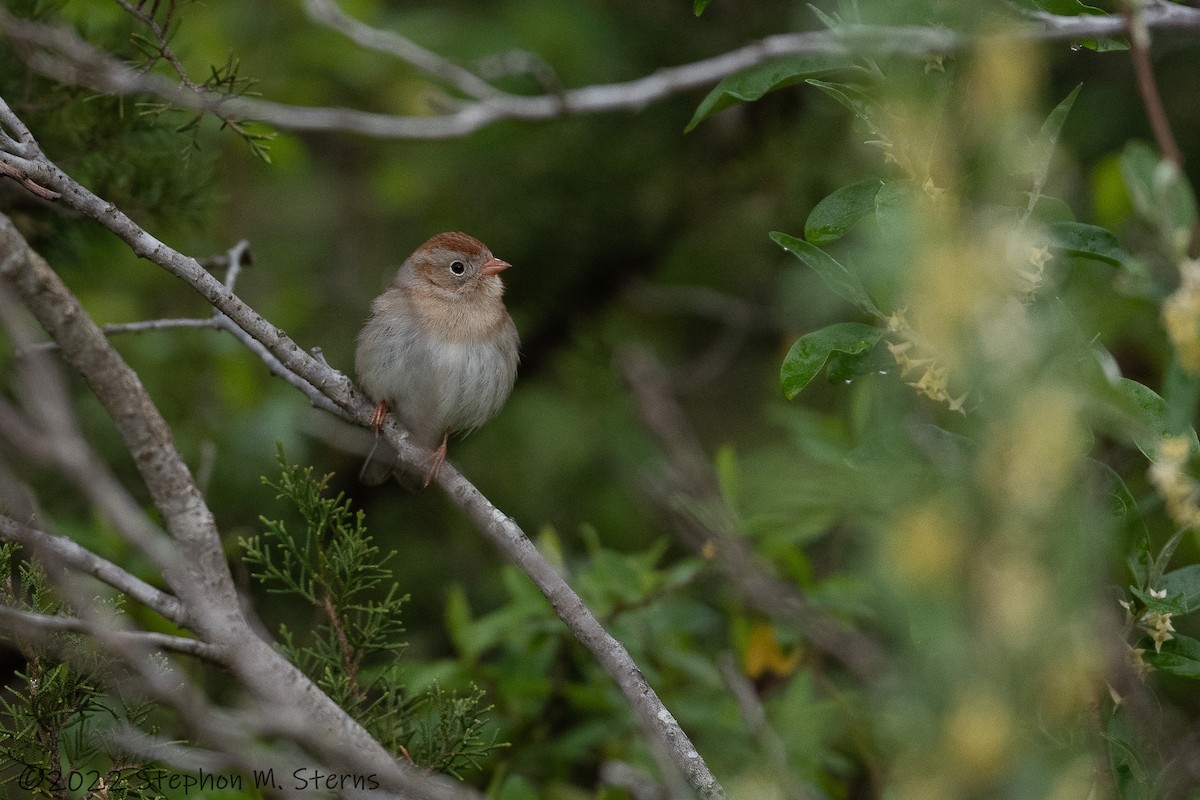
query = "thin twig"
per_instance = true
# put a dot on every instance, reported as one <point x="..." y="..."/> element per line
<point x="164" y="52"/>
<point x="67" y="552"/>
<point x="330" y="14"/>
<point x="9" y="171"/>
<point x="160" y="36"/>
<point x="1139" y="51"/>
<point x="33" y="623"/>
<point x="349" y="663"/>
<point x="62" y="55"/>
<point x="118" y="328"/>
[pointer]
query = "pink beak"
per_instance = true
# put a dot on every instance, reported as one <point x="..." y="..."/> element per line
<point x="494" y="266"/>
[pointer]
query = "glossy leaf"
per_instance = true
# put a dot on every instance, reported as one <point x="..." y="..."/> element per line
<point x="840" y="211"/>
<point x="845" y="367"/>
<point x="698" y="6"/>
<point x="1171" y="604"/>
<point x="1184" y="582"/>
<point x="1179" y="656"/>
<point x="811" y="351"/>
<point x="1087" y="241"/>
<point x="844" y="283"/>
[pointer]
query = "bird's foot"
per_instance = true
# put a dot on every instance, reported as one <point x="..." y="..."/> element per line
<point x="439" y="458"/>
<point x="378" y="416"/>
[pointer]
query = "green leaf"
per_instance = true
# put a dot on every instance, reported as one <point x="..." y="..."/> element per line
<point x="1121" y="503"/>
<point x="840" y="211"/>
<point x="1049" y="210"/>
<point x="895" y="210"/>
<point x="1181" y="391"/>
<point x="698" y="6"/>
<point x="1140" y="561"/>
<point x="1160" y="194"/>
<point x="1184" y="582"/>
<point x="1159" y="565"/>
<point x="1171" y="604"/>
<point x="1179" y="656"/>
<point x="845" y="367"/>
<point x="844" y="283"/>
<point x="753" y="83"/>
<point x="1151" y="413"/>
<point x="1047" y="140"/>
<point x="810" y="352"/>
<point x="1129" y="772"/>
<point x="1087" y="241"/>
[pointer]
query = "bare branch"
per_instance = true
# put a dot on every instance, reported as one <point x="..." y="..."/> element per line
<point x="49" y="434"/>
<point x="1134" y="12"/>
<point x="657" y="723"/>
<point x="69" y="553"/>
<point x="10" y="124"/>
<point x="235" y="259"/>
<point x="118" y="328"/>
<point x="9" y="171"/>
<point x="61" y="54"/>
<point x="329" y="13"/>
<point x="31" y="623"/>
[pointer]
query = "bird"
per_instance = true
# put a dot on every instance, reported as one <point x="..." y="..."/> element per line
<point x="439" y="348"/>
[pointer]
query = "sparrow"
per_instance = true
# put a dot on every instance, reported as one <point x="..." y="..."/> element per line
<point x="439" y="349"/>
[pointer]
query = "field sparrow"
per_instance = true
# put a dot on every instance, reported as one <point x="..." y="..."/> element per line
<point x="439" y="348"/>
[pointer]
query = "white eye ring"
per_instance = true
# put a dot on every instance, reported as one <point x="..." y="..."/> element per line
<point x="458" y="267"/>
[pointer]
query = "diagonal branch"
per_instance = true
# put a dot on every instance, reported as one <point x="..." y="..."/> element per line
<point x="61" y="550"/>
<point x="31" y="623"/>
<point x="258" y="665"/>
<point x="657" y="723"/>
<point x="329" y="13"/>
<point x="200" y="577"/>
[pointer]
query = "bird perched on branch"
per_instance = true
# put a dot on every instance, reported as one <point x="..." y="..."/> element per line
<point x="439" y="348"/>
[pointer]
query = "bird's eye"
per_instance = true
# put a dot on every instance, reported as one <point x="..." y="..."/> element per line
<point x="458" y="267"/>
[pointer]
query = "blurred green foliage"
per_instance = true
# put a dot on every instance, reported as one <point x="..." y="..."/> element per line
<point x="977" y="546"/>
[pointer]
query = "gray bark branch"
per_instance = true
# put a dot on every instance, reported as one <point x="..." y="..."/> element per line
<point x="62" y="55"/>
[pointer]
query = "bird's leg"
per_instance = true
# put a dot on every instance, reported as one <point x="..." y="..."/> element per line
<point x="439" y="458"/>
<point x="378" y="416"/>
